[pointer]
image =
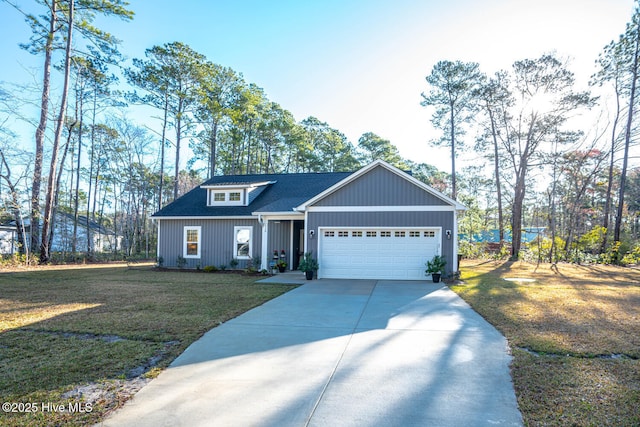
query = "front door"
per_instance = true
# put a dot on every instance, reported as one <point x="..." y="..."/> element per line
<point x="298" y="243"/>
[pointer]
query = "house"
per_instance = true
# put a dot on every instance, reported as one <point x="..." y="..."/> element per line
<point x="8" y="240"/>
<point x="378" y="222"/>
<point x="103" y="239"/>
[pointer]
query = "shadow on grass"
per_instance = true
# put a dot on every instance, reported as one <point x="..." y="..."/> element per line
<point x="61" y="328"/>
<point x="575" y="335"/>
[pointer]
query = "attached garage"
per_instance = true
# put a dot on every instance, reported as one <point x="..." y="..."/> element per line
<point x="377" y="252"/>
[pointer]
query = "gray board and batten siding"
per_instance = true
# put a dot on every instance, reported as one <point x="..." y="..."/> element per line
<point x="380" y="187"/>
<point x="217" y="241"/>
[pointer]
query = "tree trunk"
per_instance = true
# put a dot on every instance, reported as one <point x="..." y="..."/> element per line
<point x="496" y="165"/>
<point x="516" y="218"/>
<point x="162" y="144"/>
<point x="453" y="157"/>
<point x="607" y="203"/>
<point x="212" y="149"/>
<point x="51" y="187"/>
<point x="76" y="198"/>
<point x="178" y="137"/>
<point x="627" y="139"/>
<point x="40" y="131"/>
<point x="58" y="180"/>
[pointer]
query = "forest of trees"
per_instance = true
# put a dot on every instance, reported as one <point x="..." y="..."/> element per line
<point x="92" y="160"/>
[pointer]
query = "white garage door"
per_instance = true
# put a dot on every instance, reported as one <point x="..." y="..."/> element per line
<point x="377" y="253"/>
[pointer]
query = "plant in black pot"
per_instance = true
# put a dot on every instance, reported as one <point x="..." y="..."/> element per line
<point x="309" y="265"/>
<point x="281" y="265"/>
<point x="435" y="267"/>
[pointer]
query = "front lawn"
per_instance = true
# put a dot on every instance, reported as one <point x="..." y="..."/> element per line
<point x="91" y="336"/>
<point x="574" y="332"/>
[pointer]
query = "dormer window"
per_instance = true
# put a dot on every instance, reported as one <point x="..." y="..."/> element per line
<point x="234" y="193"/>
<point x="225" y="197"/>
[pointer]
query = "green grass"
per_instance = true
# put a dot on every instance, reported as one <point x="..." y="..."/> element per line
<point x="65" y="328"/>
<point x="574" y="332"/>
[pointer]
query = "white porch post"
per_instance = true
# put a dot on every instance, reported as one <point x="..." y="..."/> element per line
<point x="264" y="258"/>
<point x="456" y="267"/>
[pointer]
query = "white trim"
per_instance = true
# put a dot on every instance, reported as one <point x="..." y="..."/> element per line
<point x="389" y="167"/>
<point x="185" y="230"/>
<point x="238" y="185"/>
<point x="456" y="267"/>
<point x="291" y="255"/>
<point x="235" y="242"/>
<point x="158" y="242"/>
<point x="411" y="208"/>
<point x="264" y="244"/>
<point x="192" y="218"/>
<point x="280" y="215"/>
<point x="307" y="237"/>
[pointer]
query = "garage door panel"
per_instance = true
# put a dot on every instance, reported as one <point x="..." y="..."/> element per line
<point x="377" y="253"/>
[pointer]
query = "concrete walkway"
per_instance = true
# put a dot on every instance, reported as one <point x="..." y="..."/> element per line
<point x="339" y="353"/>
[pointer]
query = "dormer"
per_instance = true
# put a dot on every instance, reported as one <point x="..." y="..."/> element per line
<point x="234" y="193"/>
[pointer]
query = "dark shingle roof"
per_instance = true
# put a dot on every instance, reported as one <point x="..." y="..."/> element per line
<point x="286" y="192"/>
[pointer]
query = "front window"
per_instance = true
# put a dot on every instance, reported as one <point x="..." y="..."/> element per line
<point x="242" y="242"/>
<point x="234" y="197"/>
<point x="192" y="242"/>
<point x="218" y="197"/>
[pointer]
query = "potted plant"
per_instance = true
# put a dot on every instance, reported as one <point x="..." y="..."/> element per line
<point x="309" y="265"/>
<point x="281" y="265"/>
<point x="435" y="267"/>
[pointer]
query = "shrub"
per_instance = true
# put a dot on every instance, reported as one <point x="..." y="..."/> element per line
<point x="633" y="257"/>
<point x="181" y="261"/>
<point x="473" y="250"/>
<point x="210" y="268"/>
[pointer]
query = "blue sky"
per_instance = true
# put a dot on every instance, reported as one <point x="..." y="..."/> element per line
<point x="359" y="65"/>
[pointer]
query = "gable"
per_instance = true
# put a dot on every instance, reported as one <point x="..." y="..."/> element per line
<point x="381" y="186"/>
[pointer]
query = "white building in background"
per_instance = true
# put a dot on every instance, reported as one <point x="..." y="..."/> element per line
<point x="103" y="239"/>
<point x="8" y="239"/>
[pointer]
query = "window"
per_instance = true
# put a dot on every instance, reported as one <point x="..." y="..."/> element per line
<point x="414" y="234"/>
<point x="429" y="234"/>
<point x="219" y="197"/>
<point x="372" y="233"/>
<point x="385" y="234"/>
<point x="192" y="242"/>
<point x="356" y="234"/>
<point x="343" y="234"/>
<point x="242" y="242"/>
<point x="400" y="234"/>
<point x="329" y="234"/>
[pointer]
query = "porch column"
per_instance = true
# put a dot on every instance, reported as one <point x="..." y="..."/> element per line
<point x="264" y="259"/>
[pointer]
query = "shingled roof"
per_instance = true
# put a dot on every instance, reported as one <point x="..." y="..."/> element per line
<point x="283" y="193"/>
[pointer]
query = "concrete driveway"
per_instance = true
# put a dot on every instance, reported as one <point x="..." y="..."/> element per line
<point x="339" y="353"/>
